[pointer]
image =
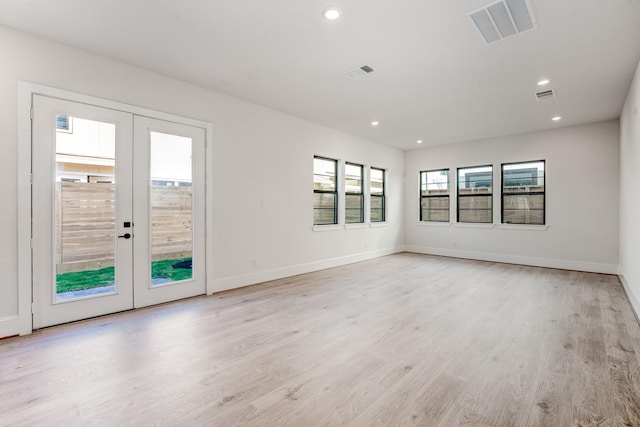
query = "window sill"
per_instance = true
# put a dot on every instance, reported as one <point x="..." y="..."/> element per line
<point x="434" y="223"/>
<point x="474" y="225"/>
<point x="378" y="224"/>
<point x="355" y="225"/>
<point x="528" y="227"/>
<point x="331" y="227"/>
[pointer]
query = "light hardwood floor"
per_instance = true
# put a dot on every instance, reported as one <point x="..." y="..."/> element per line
<point x="397" y="341"/>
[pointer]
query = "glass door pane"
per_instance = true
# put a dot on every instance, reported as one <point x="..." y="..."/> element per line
<point x="85" y="207"/>
<point x="171" y="183"/>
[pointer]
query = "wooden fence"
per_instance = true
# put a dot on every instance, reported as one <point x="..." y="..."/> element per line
<point x="519" y="205"/>
<point x="86" y="224"/>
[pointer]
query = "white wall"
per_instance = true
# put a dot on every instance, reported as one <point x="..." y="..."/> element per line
<point x="262" y="210"/>
<point x="582" y="167"/>
<point x="630" y="193"/>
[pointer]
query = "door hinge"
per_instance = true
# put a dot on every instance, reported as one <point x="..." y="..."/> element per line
<point x="31" y="113"/>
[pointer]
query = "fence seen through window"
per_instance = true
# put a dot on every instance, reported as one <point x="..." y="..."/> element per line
<point x="377" y="191"/>
<point x="434" y="195"/>
<point x="354" y="196"/>
<point x="523" y="193"/>
<point x="325" y="191"/>
<point x="475" y="194"/>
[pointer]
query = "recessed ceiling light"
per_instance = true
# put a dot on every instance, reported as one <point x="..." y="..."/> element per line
<point x="419" y="141"/>
<point x="331" y="13"/>
<point x="374" y="123"/>
<point x="543" y="82"/>
<point x="556" y="118"/>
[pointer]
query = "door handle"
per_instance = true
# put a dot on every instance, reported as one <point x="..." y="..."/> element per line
<point x="125" y="236"/>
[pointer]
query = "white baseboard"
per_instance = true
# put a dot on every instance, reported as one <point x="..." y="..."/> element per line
<point x="635" y="304"/>
<point x="518" y="259"/>
<point x="9" y="326"/>
<point x="233" y="282"/>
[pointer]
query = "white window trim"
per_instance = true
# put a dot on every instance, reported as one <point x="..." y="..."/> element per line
<point x="474" y="225"/>
<point x="435" y="223"/>
<point x="528" y="227"/>
<point x="354" y="225"/>
<point x="327" y="227"/>
<point x="378" y="224"/>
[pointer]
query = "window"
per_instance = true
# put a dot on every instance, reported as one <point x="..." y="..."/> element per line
<point x="354" y="196"/>
<point x="523" y="193"/>
<point x="434" y="195"/>
<point x="64" y="123"/>
<point x="325" y="191"/>
<point x="475" y="194"/>
<point x="376" y="187"/>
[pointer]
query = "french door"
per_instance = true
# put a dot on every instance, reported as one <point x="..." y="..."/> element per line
<point x="118" y="211"/>
<point x="168" y="211"/>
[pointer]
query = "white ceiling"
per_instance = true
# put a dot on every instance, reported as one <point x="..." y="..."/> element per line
<point x="435" y="77"/>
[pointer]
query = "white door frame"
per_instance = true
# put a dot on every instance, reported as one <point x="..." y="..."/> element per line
<point x="26" y="90"/>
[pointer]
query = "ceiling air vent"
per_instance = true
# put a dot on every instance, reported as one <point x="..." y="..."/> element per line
<point x="545" y="94"/>
<point x="503" y="19"/>
<point x="358" y="72"/>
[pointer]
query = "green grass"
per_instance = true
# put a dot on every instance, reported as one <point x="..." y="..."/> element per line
<point x="163" y="270"/>
<point x="76" y="281"/>
<point x="89" y="279"/>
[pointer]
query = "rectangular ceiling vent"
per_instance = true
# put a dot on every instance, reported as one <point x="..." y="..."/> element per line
<point x="545" y="94"/>
<point x="358" y="72"/>
<point x="503" y="19"/>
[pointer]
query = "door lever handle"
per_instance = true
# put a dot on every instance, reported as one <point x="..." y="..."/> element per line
<point x="125" y="236"/>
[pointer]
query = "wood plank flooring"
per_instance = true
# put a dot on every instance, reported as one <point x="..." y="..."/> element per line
<point x="403" y="340"/>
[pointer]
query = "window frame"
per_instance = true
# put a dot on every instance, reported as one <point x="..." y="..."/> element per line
<point x="529" y="193"/>
<point x="459" y="196"/>
<point x="448" y="195"/>
<point x="382" y="196"/>
<point x="360" y="194"/>
<point x="334" y="192"/>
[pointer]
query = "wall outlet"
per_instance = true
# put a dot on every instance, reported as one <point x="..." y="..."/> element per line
<point x="254" y="263"/>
